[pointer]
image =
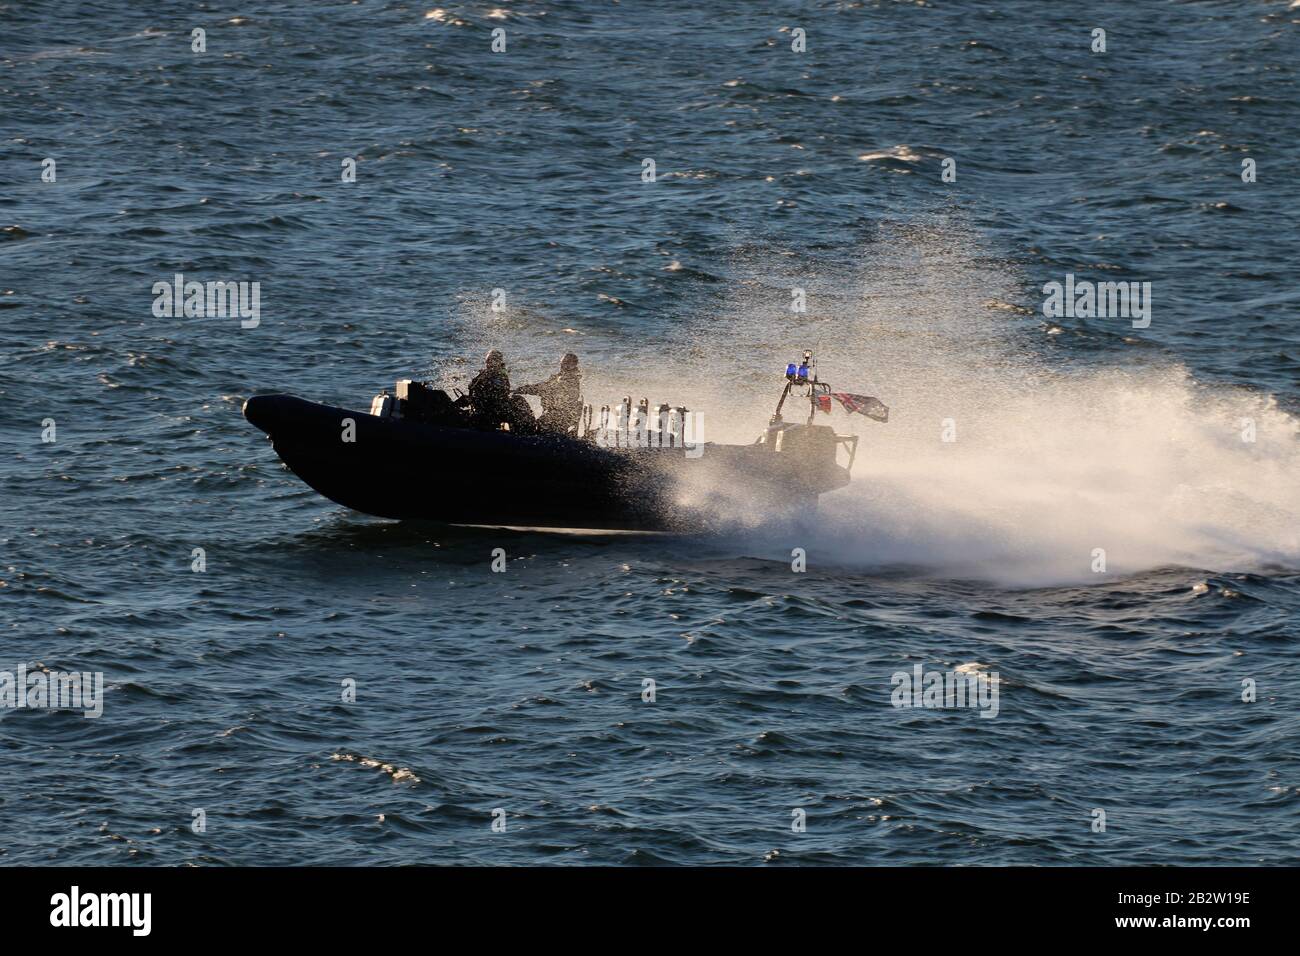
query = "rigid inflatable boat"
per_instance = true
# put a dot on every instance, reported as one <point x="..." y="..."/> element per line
<point x="414" y="455"/>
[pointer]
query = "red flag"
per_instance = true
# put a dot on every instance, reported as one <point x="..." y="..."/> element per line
<point x="824" y="403"/>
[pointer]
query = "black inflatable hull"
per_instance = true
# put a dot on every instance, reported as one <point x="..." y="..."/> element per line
<point x="396" y="468"/>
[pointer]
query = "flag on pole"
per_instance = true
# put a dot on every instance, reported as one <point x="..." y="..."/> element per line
<point x="863" y="405"/>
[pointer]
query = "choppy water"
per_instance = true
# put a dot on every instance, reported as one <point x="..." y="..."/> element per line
<point x="521" y="170"/>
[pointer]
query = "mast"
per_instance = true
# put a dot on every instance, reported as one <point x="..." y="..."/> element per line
<point x="797" y="374"/>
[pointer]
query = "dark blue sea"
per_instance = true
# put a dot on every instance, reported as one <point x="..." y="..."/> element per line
<point x="1102" y="511"/>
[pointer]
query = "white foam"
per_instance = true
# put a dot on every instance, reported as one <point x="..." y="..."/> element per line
<point x="1142" y="464"/>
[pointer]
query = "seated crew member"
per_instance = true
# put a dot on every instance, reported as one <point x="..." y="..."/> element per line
<point x="489" y="394"/>
<point x="561" y="398"/>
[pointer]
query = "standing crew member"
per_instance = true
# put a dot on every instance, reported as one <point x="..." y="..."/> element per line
<point x="489" y="394"/>
<point x="561" y="398"/>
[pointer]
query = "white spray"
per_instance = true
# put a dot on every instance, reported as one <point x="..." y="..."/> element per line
<point x="1002" y="459"/>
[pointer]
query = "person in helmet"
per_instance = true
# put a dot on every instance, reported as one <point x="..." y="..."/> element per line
<point x="561" y="398"/>
<point x="492" y="403"/>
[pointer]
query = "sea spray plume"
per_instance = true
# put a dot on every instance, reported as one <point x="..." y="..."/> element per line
<point x="996" y="464"/>
<point x="1144" y="464"/>
<point x="1001" y="459"/>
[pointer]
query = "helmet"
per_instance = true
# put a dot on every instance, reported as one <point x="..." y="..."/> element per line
<point x="569" y="362"/>
<point x="494" y="358"/>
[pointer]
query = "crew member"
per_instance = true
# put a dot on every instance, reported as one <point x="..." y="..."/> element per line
<point x="561" y="398"/>
<point x="489" y="394"/>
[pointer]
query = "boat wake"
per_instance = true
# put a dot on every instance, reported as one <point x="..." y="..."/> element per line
<point x="1078" y="478"/>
